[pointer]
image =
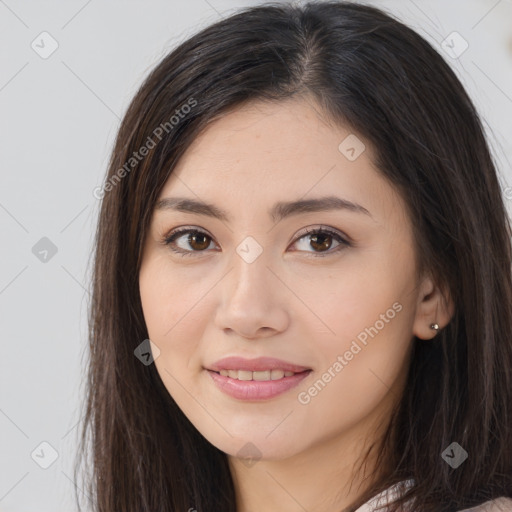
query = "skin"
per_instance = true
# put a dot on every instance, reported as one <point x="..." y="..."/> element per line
<point x="289" y="303"/>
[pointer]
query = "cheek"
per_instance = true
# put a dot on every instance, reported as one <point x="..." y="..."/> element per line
<point x="346" y="301"/>
<point x="173" y="314"/>
<point x="367" y="311"/>
<point x="168" y="296"/>
<point x="376" y="338"/>
<point x="173" y="320"/>
<point x="358" y="372"/>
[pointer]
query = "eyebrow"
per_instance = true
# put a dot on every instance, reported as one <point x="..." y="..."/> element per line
<point x="278" y="212"/>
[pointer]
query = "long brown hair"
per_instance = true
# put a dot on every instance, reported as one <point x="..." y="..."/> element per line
<point x="368" y="70"/>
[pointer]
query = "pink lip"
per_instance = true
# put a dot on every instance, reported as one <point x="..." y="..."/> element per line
<point x="251" y="389"/>
<point x="256" y="390"/>
<point x="255" y="365"/>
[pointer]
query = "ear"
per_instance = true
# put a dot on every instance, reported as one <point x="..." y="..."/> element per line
<point x="434" y="306"/>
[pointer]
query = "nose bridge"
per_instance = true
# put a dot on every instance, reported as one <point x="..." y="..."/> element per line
<point x="250" y="303"/>
<point x="250" y="261"/>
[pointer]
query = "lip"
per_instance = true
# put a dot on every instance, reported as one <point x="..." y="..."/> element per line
<point x="256" y="390"/>
<point x="255" y="365"/>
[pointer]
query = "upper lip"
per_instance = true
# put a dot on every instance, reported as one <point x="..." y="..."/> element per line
<point x="255" y="365"/>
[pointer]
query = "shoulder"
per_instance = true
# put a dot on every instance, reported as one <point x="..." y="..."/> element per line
<point x="383" y="498"/>
<point x="496" y="505"/>
<point x="386" y="496"/>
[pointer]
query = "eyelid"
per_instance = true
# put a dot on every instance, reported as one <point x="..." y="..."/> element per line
<point x="182" y="230"/>
<point x="325" y="229"/>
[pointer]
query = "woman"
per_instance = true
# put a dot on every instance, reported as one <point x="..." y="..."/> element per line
<point x="302" y="293"/>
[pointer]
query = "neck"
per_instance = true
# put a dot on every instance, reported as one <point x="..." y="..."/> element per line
<point x="326" y="477"/>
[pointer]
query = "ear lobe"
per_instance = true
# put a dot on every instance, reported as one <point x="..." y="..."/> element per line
<point x="435" y="306"/>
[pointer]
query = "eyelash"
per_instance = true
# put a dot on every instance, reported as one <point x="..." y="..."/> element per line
<point x="170" y="239"/>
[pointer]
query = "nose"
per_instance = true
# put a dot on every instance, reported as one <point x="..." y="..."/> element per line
<point x="253" y="302"/>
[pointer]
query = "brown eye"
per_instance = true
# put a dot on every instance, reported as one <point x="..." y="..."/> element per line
<point x="198" y="241"/>
<point x="187" y="242"/>
<point x="320" y="239"/>
<point x="195" y="241"/>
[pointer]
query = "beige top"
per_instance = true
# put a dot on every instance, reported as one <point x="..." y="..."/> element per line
<point x="497" y="505"/>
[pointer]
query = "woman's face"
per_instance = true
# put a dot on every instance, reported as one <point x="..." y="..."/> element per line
<point x="343" y="304"/>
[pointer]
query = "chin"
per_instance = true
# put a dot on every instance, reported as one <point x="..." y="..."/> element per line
<point x="253" y="447"/>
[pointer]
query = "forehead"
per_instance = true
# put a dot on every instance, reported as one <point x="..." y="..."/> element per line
<point x="263" y="152"/>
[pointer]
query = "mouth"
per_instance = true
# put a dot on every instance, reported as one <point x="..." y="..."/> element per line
<point x="256" y="379"/>
<point x="260" y="368"/>
<point x="261" y="376"/>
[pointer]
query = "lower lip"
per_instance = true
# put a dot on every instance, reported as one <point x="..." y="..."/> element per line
<point x="256" y="389"/>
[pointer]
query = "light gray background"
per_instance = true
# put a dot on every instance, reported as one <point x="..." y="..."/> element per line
<point x="58" y="119"/>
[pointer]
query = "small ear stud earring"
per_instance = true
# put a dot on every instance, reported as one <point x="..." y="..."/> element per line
<point x="435" y="326"/>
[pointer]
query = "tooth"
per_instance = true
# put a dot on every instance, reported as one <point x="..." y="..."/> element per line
<point x="276" y="374"/>
<point x="263" y="375"/>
